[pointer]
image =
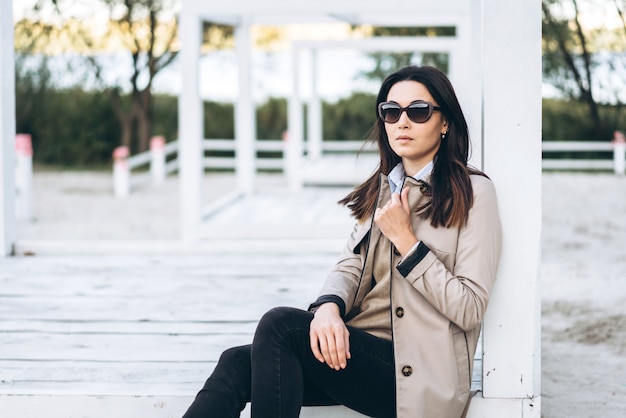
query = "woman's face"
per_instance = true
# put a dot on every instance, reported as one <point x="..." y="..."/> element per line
<point x="415" y="143"/>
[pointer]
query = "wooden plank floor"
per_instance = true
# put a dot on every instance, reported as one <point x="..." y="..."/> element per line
<point x="110" y="335"/>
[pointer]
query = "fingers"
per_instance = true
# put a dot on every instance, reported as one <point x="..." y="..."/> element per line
<point x="331" y="346"/>
<point x="315" y="346"/>
<point x="405" y="200"/>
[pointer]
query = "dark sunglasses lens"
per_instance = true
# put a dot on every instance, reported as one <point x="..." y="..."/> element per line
<point x="418" y="112"/>
<point x="390" y="112"/>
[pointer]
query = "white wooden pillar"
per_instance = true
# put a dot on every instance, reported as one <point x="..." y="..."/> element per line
<point x="7" y="130"/>
<point x="295" y="140"/>
<point x="466" y="76"/>
<point x="511" y="66"/>
<point x="190" y="152"/>
<point x="245" y="119"/>
<point x="314" y="113"/>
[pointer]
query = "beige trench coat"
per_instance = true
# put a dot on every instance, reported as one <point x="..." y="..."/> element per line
<point x="436" y="306"/>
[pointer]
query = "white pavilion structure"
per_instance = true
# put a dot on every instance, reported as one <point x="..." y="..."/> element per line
<point x="495" y="65"/>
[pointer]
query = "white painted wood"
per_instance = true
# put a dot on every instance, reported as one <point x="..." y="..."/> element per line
<point x="245" y="120"/>
<point x="157" y="159"/>
<point x="468" y="74"/>
<point x="121" y="172"/>
<point x="60" y="406"/>
<point x="512" y="157"/>
<point x="190" y="124"/>
<point x="23" y="177"/>
<point x="345" y="10"/>
<point x="314" y="120"/>
<point x="619" y="156"/>
<point x="495" y="408"/>
<point x="72" y="406"/>
<point x="295" y="126"/>
<point x="7" y="130"/>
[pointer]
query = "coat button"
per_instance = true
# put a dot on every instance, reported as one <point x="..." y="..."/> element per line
<point x="399" y="312"/>
<point x="407" y="371"/>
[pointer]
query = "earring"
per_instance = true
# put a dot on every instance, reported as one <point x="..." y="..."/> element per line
<point x="443" y="135"/>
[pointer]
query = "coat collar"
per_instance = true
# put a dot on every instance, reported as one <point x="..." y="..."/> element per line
<point x="419" y="194"/>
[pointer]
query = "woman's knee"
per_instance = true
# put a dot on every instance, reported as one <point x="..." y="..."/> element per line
<point x="235" y="357"/>
<point x="282" y="319"/>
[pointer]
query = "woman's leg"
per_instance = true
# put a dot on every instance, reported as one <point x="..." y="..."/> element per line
<point x="286" y="375"/>
<point x="227" y="390"/>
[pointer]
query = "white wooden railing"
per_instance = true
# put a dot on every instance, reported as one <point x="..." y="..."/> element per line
<point x="617" y="164"/>
<point x="154" y="165"/>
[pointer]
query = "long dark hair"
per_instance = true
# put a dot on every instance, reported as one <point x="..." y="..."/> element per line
<point x="450" y="187"/>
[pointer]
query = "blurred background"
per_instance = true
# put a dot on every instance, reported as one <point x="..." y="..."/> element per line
<point x="95" y="74"/>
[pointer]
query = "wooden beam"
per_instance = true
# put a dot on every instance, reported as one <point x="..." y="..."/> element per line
<point x="245" y="118"/>
<point x="512" y="158"/>
<point x="190" y="121"/>
<point x="7" y="130"/>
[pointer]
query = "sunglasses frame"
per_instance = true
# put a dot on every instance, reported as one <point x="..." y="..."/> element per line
<point x="431" y="108"/>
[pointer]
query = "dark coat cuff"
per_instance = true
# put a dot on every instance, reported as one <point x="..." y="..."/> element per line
<point x="329" y="298"/>
<point x="413" y="259"/>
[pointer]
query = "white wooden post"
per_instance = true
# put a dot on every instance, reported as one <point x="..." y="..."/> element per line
<point x="23" y="177"/>
<point x="314" y="112"/>
<point x="121" y="172"/>
<point x="619" y="153"/>
<point x="157" y="159"/>
<point x="7" y="130"/>
<point x="245" y="120"/>
<point x="190" y="152"/>
<point x="511" y="67"/>
<point x="295" y="128"/>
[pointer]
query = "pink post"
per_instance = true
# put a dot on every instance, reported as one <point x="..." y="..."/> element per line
<point x="23" y="177"/>
<point x="619" y="153"/>
<point x="121" y="172"/>
<point x="157" y="159"/>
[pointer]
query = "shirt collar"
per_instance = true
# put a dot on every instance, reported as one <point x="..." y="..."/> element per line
<point x="397" y="175"/>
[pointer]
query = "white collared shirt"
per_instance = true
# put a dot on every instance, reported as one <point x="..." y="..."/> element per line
<point x="397" y="175"/>
<point x="396" y="179"/>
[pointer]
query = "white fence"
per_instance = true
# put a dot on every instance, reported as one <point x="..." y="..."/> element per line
<point x="617" y="164"/>
<point x="152" y="166"/>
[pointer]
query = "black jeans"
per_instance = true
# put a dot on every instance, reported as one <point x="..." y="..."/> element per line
<point x="278" y="374"/>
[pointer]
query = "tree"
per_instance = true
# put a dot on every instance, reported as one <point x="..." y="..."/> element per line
<point x="567" y="59"/>
<point x="146" y="29"/>
<point x="150" y="41"/>
<point x="575" y="55"/>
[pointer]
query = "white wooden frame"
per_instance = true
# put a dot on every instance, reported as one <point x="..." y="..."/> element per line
<point x="501" y="95"/>
<point x="503" y="62"/>
<point x="7" y="130"/>
<point x="453" y="46"/>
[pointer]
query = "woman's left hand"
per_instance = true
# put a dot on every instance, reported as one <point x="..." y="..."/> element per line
<point x="394" y="221"/>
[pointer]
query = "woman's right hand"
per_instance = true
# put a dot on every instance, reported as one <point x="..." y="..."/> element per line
<point x="329" y="337"/>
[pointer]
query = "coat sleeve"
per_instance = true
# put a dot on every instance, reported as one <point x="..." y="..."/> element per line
<point x="343" y="281"/>
<point x="461" y="295"/>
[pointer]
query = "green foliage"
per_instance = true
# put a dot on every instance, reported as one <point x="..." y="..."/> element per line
<point x="76" y="128"/>
<point x="219" y="120"/>
<point x="69" y="127"/>
<point x="272" y="118"/>
<point x="349" y="118"/>
<point x="568" y="120"/>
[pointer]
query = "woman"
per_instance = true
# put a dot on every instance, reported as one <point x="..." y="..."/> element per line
<point x="395" y="328"/>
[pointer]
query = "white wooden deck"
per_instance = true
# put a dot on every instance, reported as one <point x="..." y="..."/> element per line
<point x="110" y="335"/>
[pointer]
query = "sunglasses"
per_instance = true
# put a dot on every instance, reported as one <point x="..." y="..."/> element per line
<point x="418" y="111"/>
